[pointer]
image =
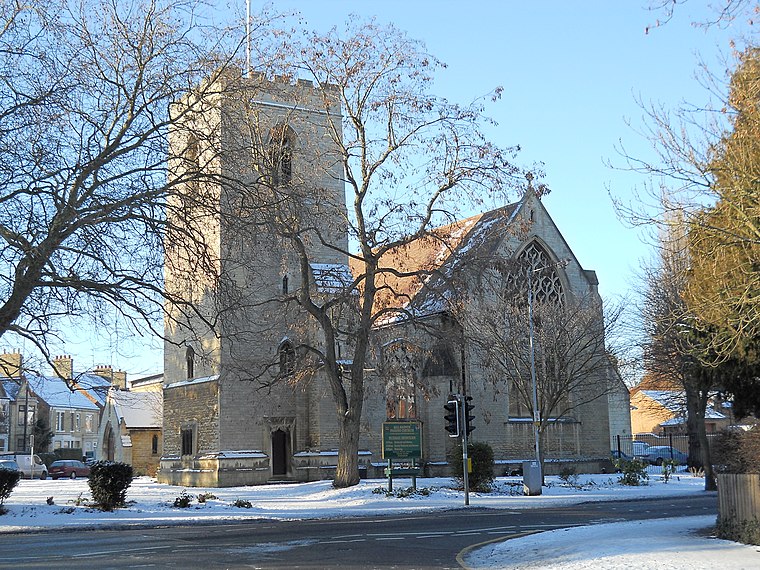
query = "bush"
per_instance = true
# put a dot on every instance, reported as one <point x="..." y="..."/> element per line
<point x="747" y="532"/>
<point x="737" y="452"/>
<point x="242" y="504"/>
<point x="9" y="478"/>
<point x="183" y="501"/>
<point x="632" y="473"/>
<point x="203" y="497"/>
<point x="108" y="483"/>
<point x="481" y="456"/>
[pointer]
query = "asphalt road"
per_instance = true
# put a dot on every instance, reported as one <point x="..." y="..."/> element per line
<point x="420" y="541"/>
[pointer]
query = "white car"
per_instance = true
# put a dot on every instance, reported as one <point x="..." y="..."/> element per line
<point x="31" y="466"/>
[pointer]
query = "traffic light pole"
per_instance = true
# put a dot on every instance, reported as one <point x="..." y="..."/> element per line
<point x="465" y="459"/>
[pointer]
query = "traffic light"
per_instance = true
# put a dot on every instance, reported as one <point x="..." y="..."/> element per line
<point x="452" y="416"/>
<point x="468" y="417"/>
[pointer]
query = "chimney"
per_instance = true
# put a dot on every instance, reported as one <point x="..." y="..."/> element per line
<point x="64" y="366"/>
<point x="118" y="378"/>
<point x="10" y="364"/>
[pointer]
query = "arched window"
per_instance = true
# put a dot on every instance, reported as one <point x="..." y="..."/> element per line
<point x="154" y="445"/>
<point x="287" y="359"/>
<point x="281" y="143"/>
<point x="190" y="362"/>
<point x="539" y="271"/>
<point x="191" y="158"/>
<point x="400" y="364"/>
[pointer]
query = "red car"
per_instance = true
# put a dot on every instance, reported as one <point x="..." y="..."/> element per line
<point x="68" y="468"/>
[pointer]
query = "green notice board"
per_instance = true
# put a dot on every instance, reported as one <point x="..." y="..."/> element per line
<point x="402" y="440"/>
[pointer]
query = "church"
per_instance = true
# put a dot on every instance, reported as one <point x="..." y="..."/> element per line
<point x="245" y="403"/>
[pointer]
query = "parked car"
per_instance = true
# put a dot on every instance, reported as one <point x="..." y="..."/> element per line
<point x="616" y="454"/>
<point x="30" y="465"/>
<point x="70" y="468"/>
<point x="9" y="464"/>
<point x="640" y="449"/>
<point x="658" y="453"/>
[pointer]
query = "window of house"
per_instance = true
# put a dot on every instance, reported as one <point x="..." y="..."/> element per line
<point x="287" y="356"/>
<point x="186" y="437"/>
<point x="281" y="141"/>
<point x="190" y="362"/>
<point x="24" y="413"/>
<point x="71" y="424"/>
<point x="20" y="444"/>
<point x="285" y="285"/>
<point x="77" y="423"/>
<point x="60" y="421"/>
<point x="88" y="423"/>
<point x="154" y="445"/>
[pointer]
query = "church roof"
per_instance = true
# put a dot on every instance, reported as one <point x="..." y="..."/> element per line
<point x="417" y="272"/>
<point x="138" y="409"/>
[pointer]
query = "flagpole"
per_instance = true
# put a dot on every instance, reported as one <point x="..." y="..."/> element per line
<point x="248" y="38"/>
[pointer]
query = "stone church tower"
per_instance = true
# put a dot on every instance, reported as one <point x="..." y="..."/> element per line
<point x="253" y="162"/>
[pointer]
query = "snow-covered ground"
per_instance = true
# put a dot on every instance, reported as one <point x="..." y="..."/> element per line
<point x="663" y="544"/>
<point x="151" y="503"/>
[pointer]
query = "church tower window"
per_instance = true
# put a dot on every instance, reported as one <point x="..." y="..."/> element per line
<point x="287" y="359"/>
<point x="190" y="362"/>
<point x="281" y="143"/>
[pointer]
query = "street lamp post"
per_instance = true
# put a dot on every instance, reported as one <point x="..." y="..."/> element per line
<point x="534" y="383"/>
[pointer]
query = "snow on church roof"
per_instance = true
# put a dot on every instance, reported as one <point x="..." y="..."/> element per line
<point x="331" y="277"/>
<point x="430" y="261"/>
<point x="138" y="409"/>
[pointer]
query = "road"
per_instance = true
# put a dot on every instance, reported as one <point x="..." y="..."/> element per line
<point x="420" y="541"/>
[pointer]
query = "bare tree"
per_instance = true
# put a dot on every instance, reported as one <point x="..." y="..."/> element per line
<point x="550" y="348"/>
<point x="84" y="101"/>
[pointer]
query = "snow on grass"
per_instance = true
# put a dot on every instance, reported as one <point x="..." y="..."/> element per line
<point x="151" y="503"/>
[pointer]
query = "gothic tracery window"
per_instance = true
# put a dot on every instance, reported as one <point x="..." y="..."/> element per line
<point x="538" y="269"/>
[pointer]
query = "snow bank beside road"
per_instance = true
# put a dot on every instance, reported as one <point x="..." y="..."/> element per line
<point x="662" y="544"/>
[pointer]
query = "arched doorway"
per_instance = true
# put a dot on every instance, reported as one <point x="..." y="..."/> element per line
<point x="280" y="452"/>
<point x="109" y="442"/>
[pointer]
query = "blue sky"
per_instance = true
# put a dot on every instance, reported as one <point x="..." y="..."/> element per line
<point x="572" y="73"/>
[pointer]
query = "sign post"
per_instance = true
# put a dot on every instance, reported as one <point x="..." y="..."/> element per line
<point x="402" y="441"/>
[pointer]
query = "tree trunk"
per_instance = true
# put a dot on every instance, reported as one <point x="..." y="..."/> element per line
<point x="692" y="426"/>
<point x="347" y="471"/>
<point x="710" y="482"/>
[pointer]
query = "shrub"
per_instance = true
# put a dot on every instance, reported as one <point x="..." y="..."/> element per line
<point x="242" y="504"/>
<point x="737" y="452"/>
<point x="668" y="468"/>
<point x="183" y="501"/>
<point x="481" y="456"/>
<point x="108" y="483"/>
<point x="9" y="478"/>
<point x="632" y="473"/>
<point x="568" y="476"/>
<point x="203" y="497"/>
<point x="747" y="531"/>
